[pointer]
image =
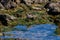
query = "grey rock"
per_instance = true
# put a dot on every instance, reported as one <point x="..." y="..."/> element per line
<point x="35" y="1"/>
<point x="10" y="5"/>
<point x="1" y="7"/>
<point x="54" y="10"/>
<point x="10" y="17"/>
<point x="13" y="4"/>
<point x="18" y="1"/>
<point x="54" y="6"/>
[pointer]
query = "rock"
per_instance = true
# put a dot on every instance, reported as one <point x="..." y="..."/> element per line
<point x="8" y="6"/>
<point x="35" y="1"/>
<point x="53" y="8"/>
<point x="41" y="1"/>
<point x="10" y="17"/>
<point x="1" y="7"/>
<point x="55" y="0"/>
<point x="18" y="1"/>
<point x="3" y="20"/>
<point x="37" y="7"/>
<point x="13" y="5"/>
<point x="31" y="16"/>
<point x="28" y="2"/>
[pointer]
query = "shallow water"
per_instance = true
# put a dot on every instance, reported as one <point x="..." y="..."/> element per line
<point x="35" y="32"/>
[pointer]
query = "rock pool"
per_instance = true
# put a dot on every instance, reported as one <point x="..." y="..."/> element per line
<point x="35" y="32"/>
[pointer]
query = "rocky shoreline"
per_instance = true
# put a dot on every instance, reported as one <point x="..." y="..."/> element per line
<point x="13" y="12"/>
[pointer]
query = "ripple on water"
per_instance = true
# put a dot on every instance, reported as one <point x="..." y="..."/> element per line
<point x="36" y="32"/>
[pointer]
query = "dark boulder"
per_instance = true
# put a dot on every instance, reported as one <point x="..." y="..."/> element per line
<point x="53" y="9"/>
<point x="53" y="13"/>
<point x="3" y="20"/>
<point x="22" y="1"/>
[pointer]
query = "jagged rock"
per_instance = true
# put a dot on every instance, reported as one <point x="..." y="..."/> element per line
<point x="8" y="6"/>
<point x="53" y="8"/>
<point x="10" y="17"/>
<point x="41" y="1"/>
<point x="37" y="7"/>
<point x="28" y="2"/>
<point x="35" y="1"/>
<point x="31" y="16"/>
<point x="3" y="20"/>
<point x="13" y="5"/>
<point x="16" y="1"/>
<point x="1" y="7"/>
<point x="55" y="0"/>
